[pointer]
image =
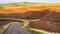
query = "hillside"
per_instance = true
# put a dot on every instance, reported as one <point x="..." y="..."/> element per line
<point x="25" y="6"/>
<point x="27" y="15"/>
<point x="49" y="23"/>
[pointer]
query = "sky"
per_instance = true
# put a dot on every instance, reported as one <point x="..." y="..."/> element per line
<point x="39" y="1"/>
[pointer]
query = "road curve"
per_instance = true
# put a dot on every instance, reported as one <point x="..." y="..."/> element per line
<point x="20" y="19"/>
<point x="15" y="28"/>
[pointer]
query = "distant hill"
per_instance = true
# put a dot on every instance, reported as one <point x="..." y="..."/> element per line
<point x="27" y="6"/>
<point x="23" y="3"/>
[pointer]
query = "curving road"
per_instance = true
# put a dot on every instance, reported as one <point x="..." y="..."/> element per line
<point x="15" y="28"/>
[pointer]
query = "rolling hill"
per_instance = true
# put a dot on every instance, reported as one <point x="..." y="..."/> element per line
<point x="26" y="6"/>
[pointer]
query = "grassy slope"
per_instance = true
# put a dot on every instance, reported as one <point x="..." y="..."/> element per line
<point x="33" y="31"/>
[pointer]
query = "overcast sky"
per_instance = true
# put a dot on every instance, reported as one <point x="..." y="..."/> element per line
<point x="41" y="1"/>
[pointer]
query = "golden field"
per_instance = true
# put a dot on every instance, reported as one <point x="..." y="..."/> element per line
<point x="29" y="7"/>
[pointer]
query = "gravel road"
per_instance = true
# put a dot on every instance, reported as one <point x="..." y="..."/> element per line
<point x="15" y="28"/>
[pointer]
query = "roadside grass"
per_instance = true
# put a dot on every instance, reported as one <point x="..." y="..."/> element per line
<point x="30" y="30"/>
<point x="33" y="31"/>
<point x="21" y="24"/>
<point x="1" y="32"/>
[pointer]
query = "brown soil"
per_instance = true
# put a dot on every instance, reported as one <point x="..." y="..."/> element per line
<point x="45" y="25"/>
<point x="26" y="15"/>
<point x="50" y="23"/>
<point x="4" y="22"/>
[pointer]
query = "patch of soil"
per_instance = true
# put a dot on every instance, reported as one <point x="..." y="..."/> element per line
<point x="45" y="25"/>
<point x="50" y="23"/>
